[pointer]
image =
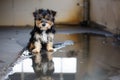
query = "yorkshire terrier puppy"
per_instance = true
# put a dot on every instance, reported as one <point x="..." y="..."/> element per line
<point x="43" y="32"/>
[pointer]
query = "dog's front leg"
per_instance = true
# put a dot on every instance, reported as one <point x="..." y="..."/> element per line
<point x="36" y="52"/>
<point x="50" y="42"/>
<point x="37" y="48"/>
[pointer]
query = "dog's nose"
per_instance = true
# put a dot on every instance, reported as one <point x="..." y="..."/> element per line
<point x="43" y="24"/>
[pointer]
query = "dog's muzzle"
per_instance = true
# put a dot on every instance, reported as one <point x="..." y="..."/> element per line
<point x="43" y="24"/>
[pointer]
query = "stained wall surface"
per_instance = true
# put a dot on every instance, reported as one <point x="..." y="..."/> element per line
<point x="19" y="12"/>
<point x="106" y="12"/>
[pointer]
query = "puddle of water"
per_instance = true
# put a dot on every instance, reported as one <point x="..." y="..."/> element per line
<point x="24" y="62"/>
<point x="72" y="61"/>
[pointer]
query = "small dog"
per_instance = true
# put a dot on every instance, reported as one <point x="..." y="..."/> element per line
<point x="41" y="43"/>
<point x="43" y="33"/>
<point x="44" y="29"/>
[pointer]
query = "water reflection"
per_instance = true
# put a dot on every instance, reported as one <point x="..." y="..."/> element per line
<point x="62" y="64"/>
<point x="83" y="58"/>
<point x="45" y="70"/>
<point x="91" y="57"/>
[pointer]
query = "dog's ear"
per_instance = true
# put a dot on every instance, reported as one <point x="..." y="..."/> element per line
<point x="35" y="13"/>
<point x="53" y="13"/>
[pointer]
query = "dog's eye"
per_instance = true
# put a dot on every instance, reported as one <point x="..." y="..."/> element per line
<point x="48" y="18"/>
<point x="38" y="18"/>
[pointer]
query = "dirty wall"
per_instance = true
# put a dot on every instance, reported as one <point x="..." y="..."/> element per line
<point x="103" y="59"/>
<point x="106" y="12"/>
<point x="19" y="12"/>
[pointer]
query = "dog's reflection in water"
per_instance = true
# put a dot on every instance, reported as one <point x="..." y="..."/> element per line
<point x="45" y="68"/>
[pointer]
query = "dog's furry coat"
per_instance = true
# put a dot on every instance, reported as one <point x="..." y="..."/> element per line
<point x="41" y="43"/>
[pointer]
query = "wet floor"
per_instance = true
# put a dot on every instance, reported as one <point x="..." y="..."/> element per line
<point x="76" y="57"/>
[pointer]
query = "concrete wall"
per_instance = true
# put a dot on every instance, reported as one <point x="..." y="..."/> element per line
<point x="19" y="12"/>
<point x="106" y="12"/>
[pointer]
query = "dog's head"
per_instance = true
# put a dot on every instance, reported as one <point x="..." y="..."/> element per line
<point x="44" y="18"/>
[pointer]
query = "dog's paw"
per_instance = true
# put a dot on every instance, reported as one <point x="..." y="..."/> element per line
<point x="50" y="49"/>
<point x="35" y="51"/>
